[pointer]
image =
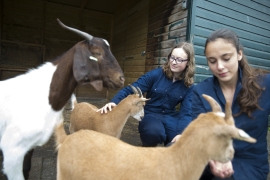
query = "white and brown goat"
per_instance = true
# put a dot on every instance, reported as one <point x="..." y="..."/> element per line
<point x="90" y="155"/>
<point x="85" y="115"/>
<point x="32" y="103"/>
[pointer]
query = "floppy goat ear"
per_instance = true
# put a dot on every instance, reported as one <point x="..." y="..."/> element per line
<point x="234" y="133"/>
<point x="85" y="69"/>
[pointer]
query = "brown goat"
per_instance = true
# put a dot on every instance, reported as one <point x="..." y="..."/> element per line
<point x="85" y="115"/>
<point x="90" y="155"/>
<point x="32" y="103"/>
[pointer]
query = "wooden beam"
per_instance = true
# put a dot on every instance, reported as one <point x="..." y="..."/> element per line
<point x="43" y="31"/>
<point x="29" y="44"/>
<point x="83" y="4"/>
<point x="1" y="23"/>
<point x="12" y="69"/>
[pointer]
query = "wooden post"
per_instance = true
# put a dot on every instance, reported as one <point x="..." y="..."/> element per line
<point x="83" y="4"/>
<point x="43" y="30"/>
<point x="1" y="24"/>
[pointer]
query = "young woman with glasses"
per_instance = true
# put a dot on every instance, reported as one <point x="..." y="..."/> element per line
<point x="166" y="87"/>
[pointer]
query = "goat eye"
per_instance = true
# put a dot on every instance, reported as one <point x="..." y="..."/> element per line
<point x="96" y="54"/>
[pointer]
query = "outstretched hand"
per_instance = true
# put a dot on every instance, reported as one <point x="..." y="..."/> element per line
<point x="221" y="170"/>
<point x="108" y="106"/>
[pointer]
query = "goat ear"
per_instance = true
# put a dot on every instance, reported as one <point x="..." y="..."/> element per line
<point x="213" y="103"/>
<point x="144" y="99"/>
<point x="234" y="133"/>
<point x="86" y="70"/>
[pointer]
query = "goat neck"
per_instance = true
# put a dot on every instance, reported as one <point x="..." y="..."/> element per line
<point x="121" y="111"/>
<point x="63" y="82"/>
<point x="185" y="147"/>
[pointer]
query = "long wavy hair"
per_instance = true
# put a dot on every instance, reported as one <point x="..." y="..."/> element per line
<point x="251" y="89"/>
<point x="189" y="71"/>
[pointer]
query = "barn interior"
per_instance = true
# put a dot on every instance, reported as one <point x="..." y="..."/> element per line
<point x="140" y="32"/>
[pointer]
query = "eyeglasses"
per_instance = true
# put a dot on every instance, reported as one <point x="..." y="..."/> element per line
<point x="178" y="60"/>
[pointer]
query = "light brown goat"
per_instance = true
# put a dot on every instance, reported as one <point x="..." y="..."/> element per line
<point x="91" y="155"/>
<point x="85" y="115"/>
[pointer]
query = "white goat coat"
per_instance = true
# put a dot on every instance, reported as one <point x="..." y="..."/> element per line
<point x="26" y="117"/>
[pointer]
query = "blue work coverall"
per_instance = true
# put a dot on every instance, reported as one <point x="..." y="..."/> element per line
<point x="250" y="160"/>
<point x="161" y="122"/>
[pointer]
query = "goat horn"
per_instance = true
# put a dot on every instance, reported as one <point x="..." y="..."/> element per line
<point x="134" y="89"/>
<point x="140" y="92"/>
<point x="228" y="114"/>
<point x="80" y="33"/>
<point x="215" y="106"/>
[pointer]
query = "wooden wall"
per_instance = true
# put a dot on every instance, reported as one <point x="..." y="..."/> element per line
<point x="141" y="34"/>
<point x="129" y="38"/>
<point x="30" y="35"/>
<point x="166" y="28"/>
<point x="249" y="19"/>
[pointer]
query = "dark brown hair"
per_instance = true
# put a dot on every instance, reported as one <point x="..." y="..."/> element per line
<point x="188" y="73"/>
<point x="251" y="90"/>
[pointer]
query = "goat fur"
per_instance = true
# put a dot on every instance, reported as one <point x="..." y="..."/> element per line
<point x="85" y="115"/>
<point x="90" y="155"/>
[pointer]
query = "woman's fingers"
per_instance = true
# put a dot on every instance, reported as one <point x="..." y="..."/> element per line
<point x="108" y="106"/>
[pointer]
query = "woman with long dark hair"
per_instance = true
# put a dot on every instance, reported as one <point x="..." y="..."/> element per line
<point x="248" y="89"/>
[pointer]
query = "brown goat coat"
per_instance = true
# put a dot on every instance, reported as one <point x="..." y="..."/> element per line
<point x="84" y="116"/>
<point x="89" y="155"/>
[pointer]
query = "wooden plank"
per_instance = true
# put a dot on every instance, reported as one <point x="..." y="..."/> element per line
<point x="178" y="36"/>
<point x="159" y="53"/>
<point x="221" y="19"/>
<point x="134" y="74"/>
<point x="236" y="15"/>
<point x="22" y="43"/>
<point x="135" y="33"/>
<point x="254" y="5"/>
<point x="18" y="55"/>
<point x="1" y="25"/>
<point x="162" y="45"/>
<point x="204" y="25"/>
<point x="140" y="44"/>
<point x="167" y="28"/>
<point x="156" y="61"/>
<point x="7" y="74"/>
<point x="240" y="8"/>
<point x="140" y="6"/>
<point x="135" y="62"/>
<point x="263" y="2"/>
<point x="167" y="13"/>
<point x="174" y="18"/>
<point x="157" y="6"/>
<point x="133" y="69"/>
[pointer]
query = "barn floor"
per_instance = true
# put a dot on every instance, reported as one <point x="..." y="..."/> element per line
<point x="44" y="158"/>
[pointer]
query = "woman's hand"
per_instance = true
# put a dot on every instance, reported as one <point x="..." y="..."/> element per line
<point x="176" y="138"/>
<point x="108" y="106"/>
<point x="221" y="170"/>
